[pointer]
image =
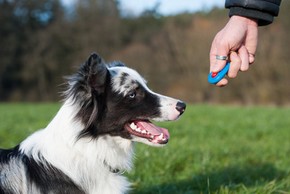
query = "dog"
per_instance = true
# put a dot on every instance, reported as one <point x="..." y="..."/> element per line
<point x="89" y="143"/>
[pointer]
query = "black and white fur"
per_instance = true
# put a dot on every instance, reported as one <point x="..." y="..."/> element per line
<point x="89" y="141"/>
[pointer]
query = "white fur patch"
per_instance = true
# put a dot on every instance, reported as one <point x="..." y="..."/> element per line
<point x="123" y="86"/>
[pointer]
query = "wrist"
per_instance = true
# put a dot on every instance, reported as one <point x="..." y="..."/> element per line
<point x="248" y="21"/>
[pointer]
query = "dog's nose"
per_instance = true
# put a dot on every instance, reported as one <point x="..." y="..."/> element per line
<point x="180" y="106"/>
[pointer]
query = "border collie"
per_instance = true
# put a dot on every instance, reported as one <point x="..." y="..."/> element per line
<point x="89" y="142"/>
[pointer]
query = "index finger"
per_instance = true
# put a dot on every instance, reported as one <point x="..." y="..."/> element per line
<point x="218" y="50"/>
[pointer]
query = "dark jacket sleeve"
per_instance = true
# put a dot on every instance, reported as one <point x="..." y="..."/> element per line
<point x="263" y="11"/>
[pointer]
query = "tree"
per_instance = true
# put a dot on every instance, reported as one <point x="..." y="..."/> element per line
<point x="20" y="23"/>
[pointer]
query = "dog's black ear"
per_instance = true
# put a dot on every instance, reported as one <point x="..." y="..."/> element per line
<point x="97" y="73"/>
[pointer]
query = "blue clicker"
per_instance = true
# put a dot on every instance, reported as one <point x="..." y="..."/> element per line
<point x="215" y="78"/>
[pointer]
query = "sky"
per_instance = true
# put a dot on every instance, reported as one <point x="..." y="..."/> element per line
<point x="166" y="7"/>
<point x="169" y="7"/>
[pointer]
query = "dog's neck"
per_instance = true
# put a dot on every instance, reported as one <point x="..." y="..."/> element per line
<point x="59" y="145"/>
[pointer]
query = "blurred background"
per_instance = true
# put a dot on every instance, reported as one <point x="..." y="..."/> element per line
<point x="168" y="42"/>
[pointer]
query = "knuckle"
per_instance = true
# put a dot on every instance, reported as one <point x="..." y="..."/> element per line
<point x="238" y="61"/>
<point x="244" y="68"/>
<point x="222" y="43"/>
<point x="232" y="74"/>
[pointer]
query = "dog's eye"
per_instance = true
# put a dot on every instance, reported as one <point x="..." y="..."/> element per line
<point x="132" y="94"/>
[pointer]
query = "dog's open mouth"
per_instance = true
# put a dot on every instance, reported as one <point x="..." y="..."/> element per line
<point x="146" y="129"/>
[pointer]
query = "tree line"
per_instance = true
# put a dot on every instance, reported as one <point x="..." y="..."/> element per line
<point x="42" y="41"/>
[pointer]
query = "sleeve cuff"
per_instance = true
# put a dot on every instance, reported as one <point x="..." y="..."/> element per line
<point x="262" y="17"/>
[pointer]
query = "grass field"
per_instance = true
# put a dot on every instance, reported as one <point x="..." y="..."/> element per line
<point x="213" y="149"/>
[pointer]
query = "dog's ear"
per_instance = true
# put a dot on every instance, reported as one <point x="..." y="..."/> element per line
<point x="97" y="72"/>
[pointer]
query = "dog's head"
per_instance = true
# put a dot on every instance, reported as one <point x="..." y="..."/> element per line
<point x="115" y="100"/>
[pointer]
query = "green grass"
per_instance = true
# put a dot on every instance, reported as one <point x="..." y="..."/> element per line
<point x="213" y="149"/>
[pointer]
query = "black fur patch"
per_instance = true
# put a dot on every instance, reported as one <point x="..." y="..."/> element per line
<point x="49" y="179"/>
<point x="42" y="176"/>
<point x="123" y="78"/>
<point x="6" y="155"/>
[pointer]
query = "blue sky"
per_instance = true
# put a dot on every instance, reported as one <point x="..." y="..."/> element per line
<point x="169" y="7"/>
<point x="166" y="7"/>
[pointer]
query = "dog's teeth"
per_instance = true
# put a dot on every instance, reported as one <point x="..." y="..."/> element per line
<point x="160" y="137"/>
<point x="138" y="130"/>
<point x="152" y="136"/>
<point x="143" y="131"/>
<point x="133" y="126"/>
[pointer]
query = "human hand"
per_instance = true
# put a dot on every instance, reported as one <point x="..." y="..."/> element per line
<point x="238" y="40"/>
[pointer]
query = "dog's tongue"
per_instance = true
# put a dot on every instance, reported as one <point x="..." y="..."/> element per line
<point x="153" y="129"/>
